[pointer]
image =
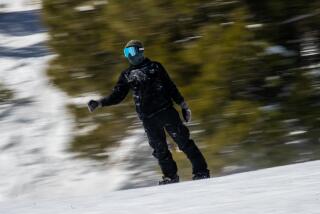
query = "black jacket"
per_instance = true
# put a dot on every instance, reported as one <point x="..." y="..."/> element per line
<point x="153" y="90"/>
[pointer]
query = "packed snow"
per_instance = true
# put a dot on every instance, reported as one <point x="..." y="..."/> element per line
<point x="293" y="189"/>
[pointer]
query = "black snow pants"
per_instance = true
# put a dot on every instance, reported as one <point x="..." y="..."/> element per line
<point x="169" y="120"/>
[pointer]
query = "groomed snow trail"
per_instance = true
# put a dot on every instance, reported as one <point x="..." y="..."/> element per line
<point x="292" y="189"/>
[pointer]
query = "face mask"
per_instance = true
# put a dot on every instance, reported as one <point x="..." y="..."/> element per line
<point x="134" y="55"/>
<point x="136" y="60"/>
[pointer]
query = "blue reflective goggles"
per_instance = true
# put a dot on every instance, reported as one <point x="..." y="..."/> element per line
<point x="132" y="51"/>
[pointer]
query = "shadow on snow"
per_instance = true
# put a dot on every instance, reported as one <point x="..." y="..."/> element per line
<point x="22" y="23"/>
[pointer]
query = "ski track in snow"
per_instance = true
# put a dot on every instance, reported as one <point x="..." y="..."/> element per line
<point x="35" y="126"/>
<point x="292" y="189"/>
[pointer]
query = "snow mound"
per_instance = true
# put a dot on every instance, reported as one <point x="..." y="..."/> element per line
<point x="289" y="189"/>
<point x="19" y="5"/>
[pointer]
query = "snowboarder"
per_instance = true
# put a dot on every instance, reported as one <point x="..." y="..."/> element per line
<point x="153" y="92"/>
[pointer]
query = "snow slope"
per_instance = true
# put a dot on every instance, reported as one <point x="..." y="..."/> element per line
<point x="293" y="189"/>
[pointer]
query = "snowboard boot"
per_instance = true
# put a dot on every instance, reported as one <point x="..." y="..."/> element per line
<point x="167" y="180"/>
<point x="201" y="175"/>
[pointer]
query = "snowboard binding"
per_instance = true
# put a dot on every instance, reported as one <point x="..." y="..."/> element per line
<point x="201" y="175"/>
<point x="167" y="180"/>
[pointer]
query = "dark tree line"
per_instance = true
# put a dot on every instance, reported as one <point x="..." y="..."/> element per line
<point x="249" y="70"/>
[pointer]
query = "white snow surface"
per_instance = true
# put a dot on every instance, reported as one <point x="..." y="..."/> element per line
<point x="19" y="5"/>
<point x="292" y="189"/>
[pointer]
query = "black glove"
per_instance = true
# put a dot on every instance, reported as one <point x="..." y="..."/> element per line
<point x="186" y="112"/>
<point x="93" y="104"/>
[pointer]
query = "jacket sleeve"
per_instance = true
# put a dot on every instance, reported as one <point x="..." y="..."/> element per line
<point x="173" y="90"/>
<point x="119" y="92"/>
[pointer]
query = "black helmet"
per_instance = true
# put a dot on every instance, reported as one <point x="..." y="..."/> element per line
<point x="135" y="43"/>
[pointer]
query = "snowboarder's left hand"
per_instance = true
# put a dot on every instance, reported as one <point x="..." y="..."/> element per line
<point x="93" y="104"/>
<point x="186" y="112"/>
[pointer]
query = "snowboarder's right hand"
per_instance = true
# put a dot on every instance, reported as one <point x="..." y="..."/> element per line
<point x="186" y="112"/>
<point x="93" y="104"/>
